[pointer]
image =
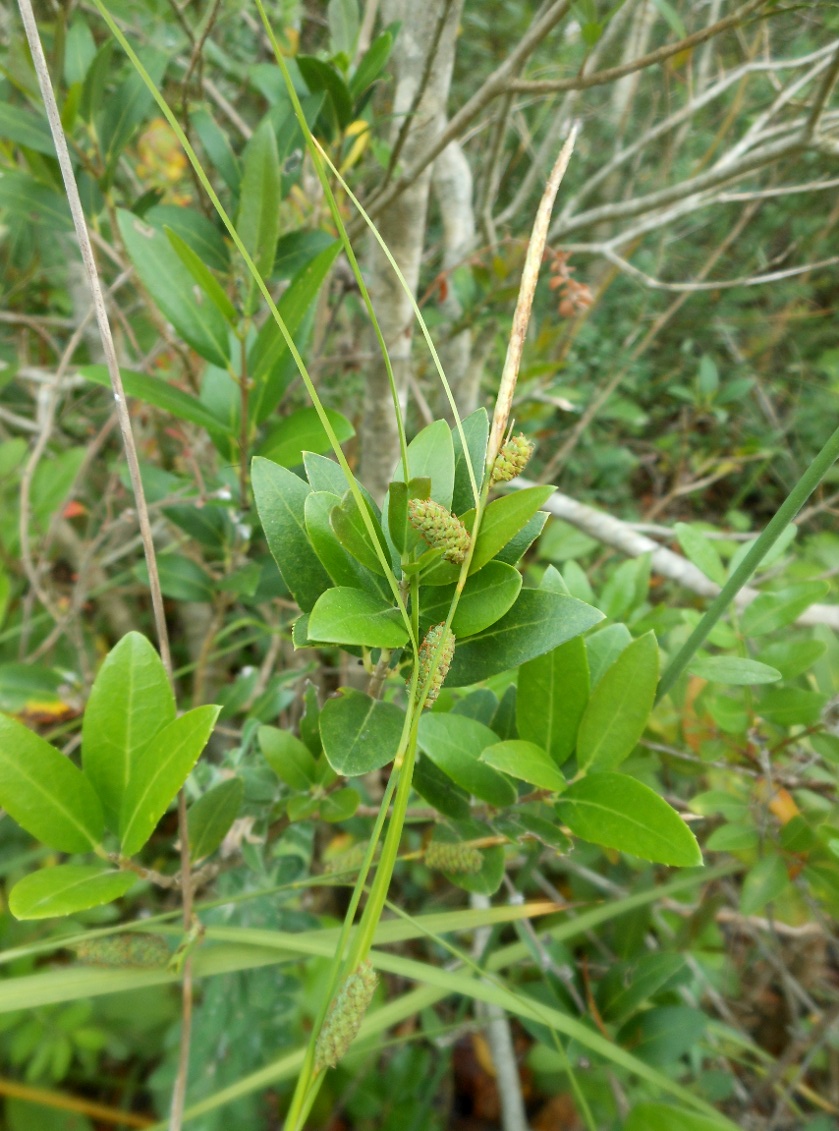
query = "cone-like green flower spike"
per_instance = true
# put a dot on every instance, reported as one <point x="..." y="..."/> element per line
<point x="512" y="459"/>
<point x="345" y="1016"/>
<point x="463" y="858"/>
<point x="435" y="663"/>
<point x="146" y="951"/>
<point x="440" y="528"/>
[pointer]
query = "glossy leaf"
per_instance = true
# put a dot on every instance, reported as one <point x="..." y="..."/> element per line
<point x="734" y="670"/>
<point x="537" y="623"/>
<point x="351" y="531"/>
<point x="288" y="757"/>
<point x="486" y="597"/>
<point x="431" y="456"/>
<point x="301" y="432"/>
<point x="66" y="889"/>
<point x="341" y="567"/>
<point x="439" y="790"/>
<point x="618" y="708"/>
<point x="210" y="817"/>
<point x="603" y="648"/>
<point x="130" y="701"/>
<point x="45" y="792"/>
<point x="552" y="694"/>
<point x="455" y="744"/>
<point x="503" y="519"/>
<point x="476" y="431"/>
<point x="618" y="812"/>
<point x="372" y="62"/>
<point x="360" y="734"/>
<point x="526" y="761"/>
<point x="353" y="616"/>
<point x="160" y="773"/>
<point x="281" y="502"/>
<point x="173" y="289"/>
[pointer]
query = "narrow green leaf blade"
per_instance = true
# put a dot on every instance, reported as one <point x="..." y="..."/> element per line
<point x="618" y="812"/>
<point x="45" y="793"/>
<point x="210" y="818"/>
<point x="66" y="889"/>
<point x="617" y="712"/>
<point x="735" y="670"/>
<point x="258" y="221"/>
<point x="162" y="771"/>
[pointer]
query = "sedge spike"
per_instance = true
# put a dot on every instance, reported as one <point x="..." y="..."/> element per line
<point x="441" y="529"/>
<point x="512" y="459"/>
<point x="463" y="859"/>
<point x="146" y="952"/>
<point x="345" y="1016"/>
<point x="435" y="659"/>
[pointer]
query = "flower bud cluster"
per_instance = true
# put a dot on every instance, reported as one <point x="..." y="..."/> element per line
<point x="345" y="1016"/>
<point x="512" y="459"/>
<point x="433" y="663"/>
<point x="440" y="528"/>
<point x="145" y="951"/>
<point x="463" y="858"/>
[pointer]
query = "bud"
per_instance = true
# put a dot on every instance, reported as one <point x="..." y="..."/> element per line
<point x="443" y="857"/>
<point x="435" y="663"/>
<point x="345" y="1016"/>
<point x="512" y="459"/>
<point x="149" y="952"/>
<point x="440" y="528"/>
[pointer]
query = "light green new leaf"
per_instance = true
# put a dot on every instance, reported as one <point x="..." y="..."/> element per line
<point x="552" y="694"/>
<point x="359" y="733"/>
<point x="486" y="597"/>
<point x="431" y="455"/>
<point x="302" y="432"/>
<point x="354" y="616"/>
<point x="503" y="519"/>
<point x="665" y="1117"/>
<point x="131" y="700"/>
<point x="621" y="813"/>
<point x="455" y="744"/>
<point x="733" y="670"/>
<point x="526" y="761"/>
<point x="173" y="289"/>
<point x="288" y="757"/>
<point x="210" y="818"/>
<point x="701" y="551"/>
<point x="348" y="525"/>
<point x="258" y="221"/>
<point x="618" y="708"/>
<point x="537" y="623"/>
<point x="160" y="773"/>
<point x="45" y="792"/>
<point x="66" y="889"/>
<point x="281" y="503"/>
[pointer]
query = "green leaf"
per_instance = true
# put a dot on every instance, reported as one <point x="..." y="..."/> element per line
<point x="343" y="21"/>
<point x="302" y="432"/>
<point x="160" y="773"/>
<point x="130" y="701"/>
<point x="341" y="567"/>
<point x="486" y="597"/>
<point x="199" y="233"/>
<point x="216" y="146"/>
<point x="702" y="552"/>
<point x="79" y="50"/>
<point x="793" y="657"/>
<point x="455" y="744"/>
<point x="258" y="219"/>
<point x="158" y="392"/>
<point x="172" y="288"/>
<point x="771" y="611"/>
<point x="360" y="734"/>
<point x="603" y="648"/>
<point x="372" y="62"/>
<point x="732" y="670"/>
<point x="127" y="107"/>
<point x="552" y="694"/>
<point x="203" y="276"/>
<point x="350" y="530"/>
<point x="674" y="22"/>
<point x="32" y="202"/>
<point x="181" y="578"/>
<point x="792" y="706"/>
<point x="503" y="519"/>
<point x="281" y="501"/>
<point x="618" y="708"/>
<point x="526" y="761"/>
<point x="66" y="889"/>
<point x="210" y="818"/>
<point x="628" y="985"/>
<point x="431" y="456"/>
<point x="476" y="431"/>
<point x="663" y="1034"/>
<point x="270" y="365"/>
<point x="763" y="884"/>
<point x="340" y="805"/>
<point x="664" y="1117"/>
<point x="25" y="128"/>
<point x="318" y="76"/>
<point x="353" y="616"/>
<point x="619" y="812"/>
<point x="439" y="790"/>
<point x="537" y="623"/>
<point x="288" y="757"/>
<point x="45" y="793"/>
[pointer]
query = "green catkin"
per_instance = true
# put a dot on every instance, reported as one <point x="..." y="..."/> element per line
<point x="434" y="664"/>
<point x="349" y="860"/>
<point x="439" y="528"/>
<point x="345" y="1016"/>
<point x="462" y="858"/>
<point x="512" y="459"/>
<point x="148" y="952"/>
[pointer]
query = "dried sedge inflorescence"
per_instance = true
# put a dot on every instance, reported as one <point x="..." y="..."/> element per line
<point x="345" y="1016"/>
<point x="512" y="459"/>
<point x="435" y="659"/>
<point x="441" y="529"/>
<point x="456" y="858"/>
<point x="148" y="952"/>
